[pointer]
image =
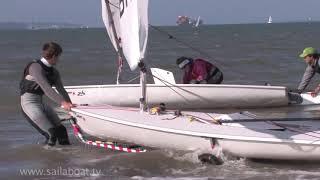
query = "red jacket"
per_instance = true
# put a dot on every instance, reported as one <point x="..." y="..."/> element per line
<point x="197" y="70"/>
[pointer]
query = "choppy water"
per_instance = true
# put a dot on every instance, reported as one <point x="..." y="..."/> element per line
<point x="247" y="54"/>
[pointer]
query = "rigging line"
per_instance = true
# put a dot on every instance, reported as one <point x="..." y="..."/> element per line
<point x="113" y="5"/>
<point x="171" y="87"/>
<point x="133" y="79"/>
<point x="178" y="87"/>
<point x="187" y="45"/>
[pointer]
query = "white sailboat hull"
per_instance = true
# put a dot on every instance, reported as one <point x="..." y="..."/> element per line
<point x="145" y="137"/>
<point x="278" y="151"/>
<point x="182" y="96"/>
<point x="247" y="139"/>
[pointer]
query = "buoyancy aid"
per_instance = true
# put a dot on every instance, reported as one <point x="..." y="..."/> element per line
<point x="31" y="86"/>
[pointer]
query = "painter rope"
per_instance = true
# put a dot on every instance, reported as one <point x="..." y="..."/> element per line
<point x="107" y="145"/>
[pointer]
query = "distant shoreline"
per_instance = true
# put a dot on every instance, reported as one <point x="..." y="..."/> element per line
<point x="40" y="26"/>
<point x="37" y="26"/>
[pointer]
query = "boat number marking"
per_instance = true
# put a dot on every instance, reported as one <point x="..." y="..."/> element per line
<point x="79" y="93"/>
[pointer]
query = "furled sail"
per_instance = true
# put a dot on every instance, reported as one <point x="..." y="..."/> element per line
<point x="112" y="22"/>
<point x="130" y="21"/>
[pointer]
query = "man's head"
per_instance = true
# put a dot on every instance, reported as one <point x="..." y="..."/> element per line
<point x="51" y="51"/>
<point x="183" y="61"/>
<point x="309" y="55"/>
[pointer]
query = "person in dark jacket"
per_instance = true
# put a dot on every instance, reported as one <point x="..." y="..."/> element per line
<point x="311" y="56"/>
<point x="199" y="71"/>
<point x="38" y="78"/>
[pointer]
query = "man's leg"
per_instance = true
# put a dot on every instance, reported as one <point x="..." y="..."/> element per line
<point x="60" y="131"/>
<point x="33" y="110"/>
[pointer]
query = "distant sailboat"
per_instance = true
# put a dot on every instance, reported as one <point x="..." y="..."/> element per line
<point x="269" y="20"/>
<point x="198" y="22"/>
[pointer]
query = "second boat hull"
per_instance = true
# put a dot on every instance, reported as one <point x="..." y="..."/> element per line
<point x="182" y="96"/>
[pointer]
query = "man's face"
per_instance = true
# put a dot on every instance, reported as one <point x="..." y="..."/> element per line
<point x="54" y="60"/>
<point x="309" y="60"/>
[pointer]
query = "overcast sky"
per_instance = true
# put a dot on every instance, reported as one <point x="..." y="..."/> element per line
<point x="163" y="12"/>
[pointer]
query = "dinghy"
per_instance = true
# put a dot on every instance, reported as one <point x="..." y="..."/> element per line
<point x="239" y="134"/>
<point x="182" y="96"/>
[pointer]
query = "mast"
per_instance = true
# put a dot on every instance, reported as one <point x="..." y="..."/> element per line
<point x="117" y="39"/>
<point x="143" y="84"/>
<point x="129" y="20"/>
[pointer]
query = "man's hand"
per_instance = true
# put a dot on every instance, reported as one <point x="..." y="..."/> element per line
<point x="67" y="105"/>
<point x="315" y="92"/>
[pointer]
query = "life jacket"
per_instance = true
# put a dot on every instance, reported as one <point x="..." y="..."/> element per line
<point x="200" y="67"/>
<point x="215" y="76"/>
<point x="33" y="87"/>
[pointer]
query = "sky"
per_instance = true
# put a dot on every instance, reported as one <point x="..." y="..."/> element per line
<point x="163" y="12"/>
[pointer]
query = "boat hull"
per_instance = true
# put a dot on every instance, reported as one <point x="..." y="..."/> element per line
<point x="278" y="151"/>
<point x="249" y="139"/>
<point x="182" y="96"/>
<point x="104" y="129"/>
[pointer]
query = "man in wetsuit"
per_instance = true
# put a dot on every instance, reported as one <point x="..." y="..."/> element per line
<point x="38" y="78"/>
<point x="311" y="57"/>
<point x="199" y="71"/>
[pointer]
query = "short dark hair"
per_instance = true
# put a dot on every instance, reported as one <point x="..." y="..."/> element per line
<point x="316" y="56"/>
<point x="51" y="49"/>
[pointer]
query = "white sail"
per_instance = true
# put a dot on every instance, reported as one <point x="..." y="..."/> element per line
<point x="111" y="23"/>
<point x="270" y="20"/>
<point x="130" y="21"/>
<point x="198" y="22"/>
<point x="134" y="30"/>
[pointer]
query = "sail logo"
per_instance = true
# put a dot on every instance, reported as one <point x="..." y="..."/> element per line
<point x="123" y="5"/>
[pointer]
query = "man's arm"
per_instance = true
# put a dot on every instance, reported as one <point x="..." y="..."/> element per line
<point x="59" y="86"/>
<point x="308" y="74"/>
<point x="37" y="73"/>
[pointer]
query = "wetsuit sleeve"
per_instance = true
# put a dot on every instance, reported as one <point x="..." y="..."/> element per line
<point x="37" y="73"/>
<point x="308" y="74"/>
<point x="59" y="86"/>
